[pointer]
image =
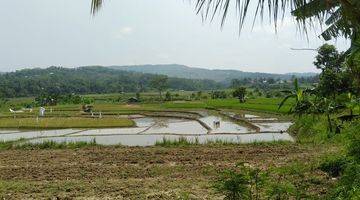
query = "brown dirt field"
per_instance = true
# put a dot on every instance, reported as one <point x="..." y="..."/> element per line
<point x="136" y="172"/>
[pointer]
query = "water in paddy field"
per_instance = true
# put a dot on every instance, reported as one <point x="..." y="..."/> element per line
<point x="149" y="130"/>
<point x="224" y="126"/>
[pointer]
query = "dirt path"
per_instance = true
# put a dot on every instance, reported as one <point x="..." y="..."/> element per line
<point x="132" y="172"/>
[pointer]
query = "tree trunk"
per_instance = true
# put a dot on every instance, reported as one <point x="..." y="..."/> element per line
<point x="160" y="95"/>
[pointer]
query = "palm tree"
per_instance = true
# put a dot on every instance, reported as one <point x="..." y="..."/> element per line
<point x="342" y="18"/>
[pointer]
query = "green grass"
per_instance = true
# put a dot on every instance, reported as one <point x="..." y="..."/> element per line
<point x="56" y="145"/>
<point x="259" y="104"/>
<point x="61" y="123"/>
<point x="183" y="142"/>
<point x="22" y="144"/>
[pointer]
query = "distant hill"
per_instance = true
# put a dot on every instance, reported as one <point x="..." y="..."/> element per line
<point x="85" y="80"/>
<point x="182" y="71"/>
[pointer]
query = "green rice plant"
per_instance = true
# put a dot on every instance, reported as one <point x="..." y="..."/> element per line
<point x="55" y="145"/>
<point x="180" y="142"/>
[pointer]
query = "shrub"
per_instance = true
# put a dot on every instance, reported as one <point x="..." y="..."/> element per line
<point x="241" y="183"/>
<point x="349" y="184"/>
<point x="334" y="165"/>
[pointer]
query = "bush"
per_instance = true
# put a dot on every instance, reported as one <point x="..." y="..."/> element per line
<point x="334" y="165"/>
<point x="349" y="184"/>
<point x="241" y="183"/>
<point x="353" y="134"/>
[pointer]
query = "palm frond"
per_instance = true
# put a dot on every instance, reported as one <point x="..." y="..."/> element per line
<point x="275" y="7"/>
<point x="95" y="6"/>
<point x="335" y="16"/>
<point x="338" y="28"/>
<point x="313" y="8"/>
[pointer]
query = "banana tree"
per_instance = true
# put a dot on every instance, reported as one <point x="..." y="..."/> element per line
<point x="302" y="103"/>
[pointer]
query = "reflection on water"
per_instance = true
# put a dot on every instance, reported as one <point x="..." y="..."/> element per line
<point x="274" y="127"/>
<point x="185" y="128"/>
<point x="220" y="125"/>
<point x="33" y="134"/>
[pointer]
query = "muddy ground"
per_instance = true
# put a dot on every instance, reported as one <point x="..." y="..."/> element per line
<point x="139" y="172"/>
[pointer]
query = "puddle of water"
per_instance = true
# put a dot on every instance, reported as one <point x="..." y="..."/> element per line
<point x="224" y="126"/>
<point x="250" y="116"/>
<point x="155" y="121"/>
<point x="274" y="127"/>
<point x="149" y="140"/>
<point x="33" y="134"/>
<point x="152" y="129"/>
<point x="184" y="128"/>
<point x="112" y="131"/>
<point x="263" y="119"/>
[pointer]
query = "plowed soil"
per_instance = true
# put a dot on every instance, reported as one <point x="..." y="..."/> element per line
<point x="134" y="172"/>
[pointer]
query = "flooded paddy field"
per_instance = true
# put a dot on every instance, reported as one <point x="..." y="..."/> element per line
<point x="151" y="128"/>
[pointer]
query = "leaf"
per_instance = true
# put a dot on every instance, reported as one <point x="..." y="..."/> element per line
<point x="284" y="100"/>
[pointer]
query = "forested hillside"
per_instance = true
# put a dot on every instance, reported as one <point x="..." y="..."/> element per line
<point x="225" y="76"/>
<point x="85" y="80"/>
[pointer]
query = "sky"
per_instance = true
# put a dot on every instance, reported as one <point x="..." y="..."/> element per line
<point x="43" y="33"/>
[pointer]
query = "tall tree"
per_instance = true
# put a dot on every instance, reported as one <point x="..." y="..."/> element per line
<point x="160" y="83"/>
<point x="240" y="93"/>
<point x="334" y="78"/>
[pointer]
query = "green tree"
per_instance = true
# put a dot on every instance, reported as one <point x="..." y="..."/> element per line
<point x="240" y="93"/>
<point x="328" y="58"/>
<point x="168" y="96"/>
<point x="160" y="83"/>
<point x="334" y="78"/>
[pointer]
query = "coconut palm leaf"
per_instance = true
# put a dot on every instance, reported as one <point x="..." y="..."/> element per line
<point x="96" y="5"/>
<point x="314" y="8"/>
<point x="340" y="27"/>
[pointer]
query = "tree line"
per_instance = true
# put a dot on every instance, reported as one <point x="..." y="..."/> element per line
<point x="88" y="80"/>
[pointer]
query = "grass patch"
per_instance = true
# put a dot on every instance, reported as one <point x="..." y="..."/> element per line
<point x="184" y="142"/>
<point x="259" y="104"/>
<point x="62" y="123"/>
<point x="22" y="144"/>
<point x="56" y="145"/>
<point x="180" y="142"/>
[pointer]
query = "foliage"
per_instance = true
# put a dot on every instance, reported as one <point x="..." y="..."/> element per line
<point x="240" y="94"/>
<point x="167" y="96"/>
<point x="182" y="141"/>
<point x="334" y="78"/>
<point x="302" y="103"/>
<point x="218" y="95"/>
<point x="87" y="80"/>
<point x="160" y="83"/>
<point x="334" y="165"/>
<point x="241" y="183"/>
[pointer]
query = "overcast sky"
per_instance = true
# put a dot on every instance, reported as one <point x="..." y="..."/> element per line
<point x="42" y="33"/>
